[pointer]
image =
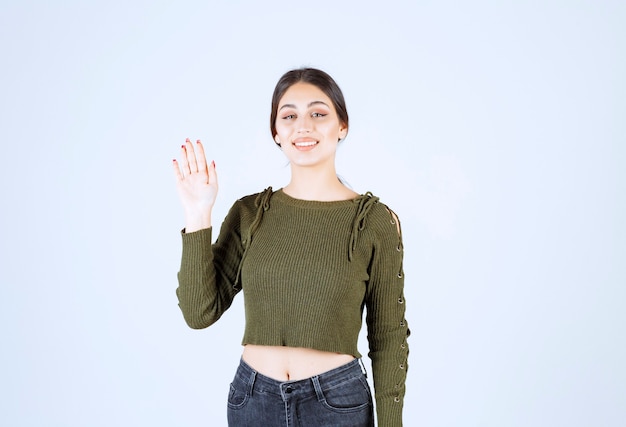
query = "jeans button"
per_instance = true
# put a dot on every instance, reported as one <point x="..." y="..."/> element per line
<point x="288" y="389"/>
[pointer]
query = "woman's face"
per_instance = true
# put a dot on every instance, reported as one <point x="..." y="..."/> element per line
<point x="307" y="126"/>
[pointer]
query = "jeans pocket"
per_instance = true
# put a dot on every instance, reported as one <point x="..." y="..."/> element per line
<point x="237" y="398"/>
<point x="352" y="395"/>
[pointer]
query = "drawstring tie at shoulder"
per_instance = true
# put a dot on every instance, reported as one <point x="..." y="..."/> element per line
<point x="262" y="204"/>
<point x="365" y="204"/>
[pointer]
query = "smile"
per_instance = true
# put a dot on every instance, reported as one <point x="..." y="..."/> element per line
<point x="304" y="144"/>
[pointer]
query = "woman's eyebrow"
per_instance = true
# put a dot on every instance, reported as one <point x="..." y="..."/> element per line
<point x="308" y="106"/>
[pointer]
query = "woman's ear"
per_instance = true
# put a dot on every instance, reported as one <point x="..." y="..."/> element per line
<point x="277" y="141"/>
<point x="343" y="131"/>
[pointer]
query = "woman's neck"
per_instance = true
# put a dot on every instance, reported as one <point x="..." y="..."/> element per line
<point x="315" y="184"/>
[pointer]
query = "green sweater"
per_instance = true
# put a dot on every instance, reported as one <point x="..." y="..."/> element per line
<point x="307" y="270"/>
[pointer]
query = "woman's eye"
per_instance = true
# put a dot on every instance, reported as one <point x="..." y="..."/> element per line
<point x="289" y="117"/>
<point x="318" y="114"/>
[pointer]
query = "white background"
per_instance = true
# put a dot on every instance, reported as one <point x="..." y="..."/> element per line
<point x="496" y="130"/>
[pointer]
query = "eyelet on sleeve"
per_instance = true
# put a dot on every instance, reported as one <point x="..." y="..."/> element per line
<point x="402" y="366"/>
<point x="403" y="346"/>
<point x="399" y="248"/>
<point x="400" y="300"/>
<point x="396" y="399"/>
<point x="399" y="275"/>
<point x="402" y="323"/>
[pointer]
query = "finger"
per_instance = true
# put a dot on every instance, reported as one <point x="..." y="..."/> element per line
<point x="177" y="173"/>
<point x="212" y="174"/>
<point x="200" y="157"/>
<point x="191" y="156"/>
<point x="184" y="163"/>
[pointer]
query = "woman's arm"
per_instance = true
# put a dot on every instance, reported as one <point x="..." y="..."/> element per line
<point x="387" y="327"/>
<point x="205" y="278"/>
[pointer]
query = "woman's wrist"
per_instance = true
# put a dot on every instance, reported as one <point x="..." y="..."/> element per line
<point x="197" y="222"/>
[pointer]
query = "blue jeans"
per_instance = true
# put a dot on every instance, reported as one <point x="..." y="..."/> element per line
<point x="339" y="397"/>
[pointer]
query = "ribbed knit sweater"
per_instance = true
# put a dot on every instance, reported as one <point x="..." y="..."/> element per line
<point x="307" y="270"/>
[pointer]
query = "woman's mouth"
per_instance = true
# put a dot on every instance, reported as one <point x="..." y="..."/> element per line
<point x="303" y="144"/>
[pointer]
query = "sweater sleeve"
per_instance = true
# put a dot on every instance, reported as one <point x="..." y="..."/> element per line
<point x="387" y="328"/>
<point x="207" y="276"/>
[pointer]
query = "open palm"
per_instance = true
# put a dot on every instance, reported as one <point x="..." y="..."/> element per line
<point x="196" y="182"/>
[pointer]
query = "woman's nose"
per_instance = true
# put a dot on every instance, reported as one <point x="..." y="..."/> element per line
<point x="304" y="124"/>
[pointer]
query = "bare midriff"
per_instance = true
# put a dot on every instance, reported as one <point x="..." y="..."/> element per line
<point x="291" y="363"/>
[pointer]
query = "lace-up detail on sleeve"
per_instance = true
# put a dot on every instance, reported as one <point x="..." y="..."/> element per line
<point x="399" y="388"/>
<point x="365" y="204"/>
<point x="387" y="326"/>
<point x="400" y="248"/>
<point x="262" y="204"/>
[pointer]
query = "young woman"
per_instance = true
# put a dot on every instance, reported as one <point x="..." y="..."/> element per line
<point x="309" y="258"/>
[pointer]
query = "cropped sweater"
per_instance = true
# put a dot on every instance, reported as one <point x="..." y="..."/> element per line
<point x="307" y="270"/>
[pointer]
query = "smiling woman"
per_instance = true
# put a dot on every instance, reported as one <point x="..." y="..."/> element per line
<point x="308" y="130"/>
<point x="309" y="258"/>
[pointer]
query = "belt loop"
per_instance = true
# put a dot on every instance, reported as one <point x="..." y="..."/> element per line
<point x="363" y="367"/>
<point x="251" y="381"/>
<point x="318" y="388"/>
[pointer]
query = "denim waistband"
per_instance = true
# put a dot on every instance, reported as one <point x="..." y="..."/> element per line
<point x="257" y="382"/>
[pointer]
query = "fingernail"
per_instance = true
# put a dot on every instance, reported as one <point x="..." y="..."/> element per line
<point x="198" y="142"/>
<point x="213" y="163"/>
<point x="187" y="140"/>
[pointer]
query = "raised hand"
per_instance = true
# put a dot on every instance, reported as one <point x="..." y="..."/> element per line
<point x="196" y="183"/>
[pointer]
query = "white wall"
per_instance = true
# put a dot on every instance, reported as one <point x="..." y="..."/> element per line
<point x="494" y="129"/>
